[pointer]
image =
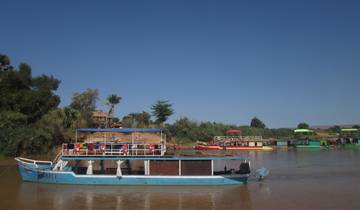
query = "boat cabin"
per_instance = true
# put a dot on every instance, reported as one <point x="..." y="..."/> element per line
<point x="156" y="166"/>
<point x="349" y="136"/>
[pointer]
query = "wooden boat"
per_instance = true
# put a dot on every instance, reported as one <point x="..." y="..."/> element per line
<point x="208" y="147"/>
<point x="114" y="163"/>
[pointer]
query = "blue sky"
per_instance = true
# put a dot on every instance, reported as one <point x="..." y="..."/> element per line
<point x="283" y="61"/>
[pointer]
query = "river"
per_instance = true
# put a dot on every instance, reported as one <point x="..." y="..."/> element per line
<point x="324" y="179"/>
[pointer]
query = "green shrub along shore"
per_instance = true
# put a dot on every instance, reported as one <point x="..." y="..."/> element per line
<point x="31" y="121"/>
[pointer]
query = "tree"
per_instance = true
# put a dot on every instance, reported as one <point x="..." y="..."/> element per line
<point x="20" y="92"/>
<point x="116" y="120"/>
<point x="303" y="126"/>
<point x="112" y="100"/>
<point x="162" y="110"/>
<point x="356" y="126"/>
<point x="61" y="123"/>
<point x="256" y="123"/>
<point x="136" y="120"/>
<point x="5" y="63"/>
<point x="24" y="101"/>
<point x="85" y="102"/>
<point x="144" y="119"/>
<point x="335" y="129"/>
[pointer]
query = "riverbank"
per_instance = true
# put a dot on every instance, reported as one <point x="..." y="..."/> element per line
<point x="7" y="162"/>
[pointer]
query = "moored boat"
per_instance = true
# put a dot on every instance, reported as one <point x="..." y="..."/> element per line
<point x="208" y="147"/>
<point x="304" y="141"/>
<point x="349" y="138"/>
<point x="133" y="163"/>
<point x="234" y="141"/>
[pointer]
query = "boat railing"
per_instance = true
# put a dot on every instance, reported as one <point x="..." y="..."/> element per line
<point x="112" y="149"/>
<point x="57" y="158"/>
<point x="35" y="162"/>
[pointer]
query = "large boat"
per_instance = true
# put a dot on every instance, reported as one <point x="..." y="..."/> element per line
<point x="233" y="140"/>
<point x="115" y="162"/>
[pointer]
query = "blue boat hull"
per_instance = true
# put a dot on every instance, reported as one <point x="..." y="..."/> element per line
<point x="32" y="174"/>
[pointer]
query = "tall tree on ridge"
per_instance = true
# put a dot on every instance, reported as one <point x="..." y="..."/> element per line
<point x="162" y="110"/>
<point x="303" y="126"/>
<point x="112" y="100"/>
<point x="85" y="102"/>
<point x="257" y="123"/>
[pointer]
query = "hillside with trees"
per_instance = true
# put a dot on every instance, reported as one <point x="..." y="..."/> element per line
<point x="31" y="121"/>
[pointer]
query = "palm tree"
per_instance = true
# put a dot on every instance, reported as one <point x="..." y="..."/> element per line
<point x="161" y="110"/>
<point x="112" y="100"/>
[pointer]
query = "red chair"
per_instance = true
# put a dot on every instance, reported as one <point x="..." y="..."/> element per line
<point x="152" y="148"/>
<point x="77" y="147"/>
<point x="125" y="149"/>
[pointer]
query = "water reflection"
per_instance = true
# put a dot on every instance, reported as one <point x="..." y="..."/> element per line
<point x="49" y="196"/>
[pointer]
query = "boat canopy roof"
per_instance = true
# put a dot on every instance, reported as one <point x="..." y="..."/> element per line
<point x="121" y="130"/>
<point x="303" y="131"/>
<point x="349" y="129"/>
<point x="101" y="157"/>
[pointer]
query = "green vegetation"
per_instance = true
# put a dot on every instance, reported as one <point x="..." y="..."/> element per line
<point x="303" y="126"/>
<point x="85" y="103"/>
<point x="162" y="110"/>
<point x="25" y="101"/>
<point x="335" y="129"/>
<point x="32" y="122"/>
<point x="256" y="123"/>
<point x="113" y="100"/>
<point x="185" y="130"/>
<point x="356" y="126"/>
<point x="137" y="120"/>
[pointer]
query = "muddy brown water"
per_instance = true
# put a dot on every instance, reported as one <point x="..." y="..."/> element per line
<point x="325" y="179"/>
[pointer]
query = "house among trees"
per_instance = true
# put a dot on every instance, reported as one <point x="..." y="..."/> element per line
<point x="104" y="119"/>
<point x="101" y="118"/>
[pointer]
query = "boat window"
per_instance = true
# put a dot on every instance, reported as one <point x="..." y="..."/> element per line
<point x="196" y="167"/>
<point x="228" y="167"/>
<point x="164" y="167"/>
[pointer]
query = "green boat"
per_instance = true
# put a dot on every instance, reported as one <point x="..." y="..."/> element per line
<point x="311" y="144"/>
<point x="350" y="138"/>
<point x="304" y="141"/>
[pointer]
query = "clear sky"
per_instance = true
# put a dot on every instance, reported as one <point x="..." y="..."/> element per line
<point x="283" y="61"/>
